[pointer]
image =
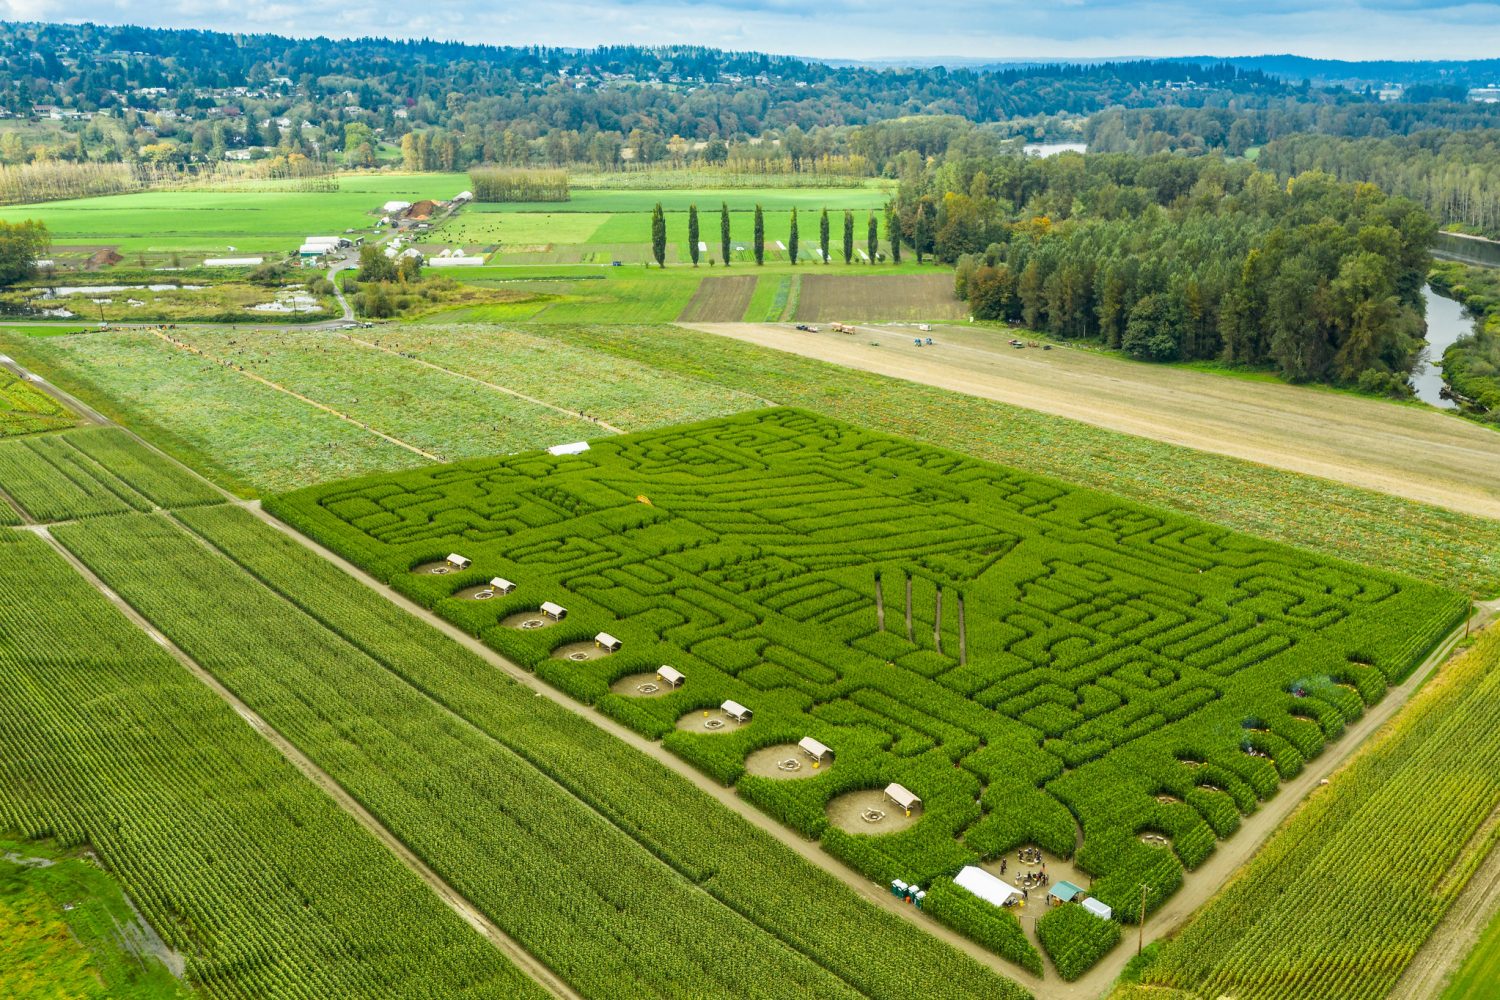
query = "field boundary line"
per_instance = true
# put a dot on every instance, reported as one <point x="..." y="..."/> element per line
<point x="321" y="779"/>
<point x="183" y="345"/>
<point x="479" y="381"/>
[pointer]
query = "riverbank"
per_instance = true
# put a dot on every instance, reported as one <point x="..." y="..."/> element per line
<point x="1471" y="363"/>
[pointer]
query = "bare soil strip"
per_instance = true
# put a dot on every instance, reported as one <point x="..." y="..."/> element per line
<point x="720" y="300"/>
<point x="450" y="896"/>
<point x="877" y="298"/>
<point x="479" y="381"/>
<point x="183" y="345"/>
<point x="1407" y="451"/>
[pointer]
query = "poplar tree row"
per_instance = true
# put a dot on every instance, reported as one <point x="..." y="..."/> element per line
<point x="758" y="237"/>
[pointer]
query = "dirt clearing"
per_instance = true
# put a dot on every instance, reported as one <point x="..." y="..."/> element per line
<point x="1408" y="451"/>
<point x="720" y="300"/>
<point x="877" y="298"/>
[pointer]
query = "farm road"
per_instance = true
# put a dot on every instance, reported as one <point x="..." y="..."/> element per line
<point x="1413" y="452"/>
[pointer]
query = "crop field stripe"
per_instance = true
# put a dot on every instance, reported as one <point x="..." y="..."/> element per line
<point x="243" y="866"/>
<point x="450" y="897"/>
<point x="479" y="381"/>
<point x="126" y="548"/>
<point x="184" y="346"/>
<point x="574" y="746"/>
<point x="720" y="299"/>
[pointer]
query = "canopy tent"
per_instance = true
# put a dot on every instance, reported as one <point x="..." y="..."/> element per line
<point x="574" y="448"/>
<point x="1065" y="891"/>
<point x="457" y="561"/>
<point x="670" y="676"/>
<point x="1098" y="909"/>
<point x="554" y="610"/>
<point x="607" y="642"/>
<point x="817" y="751"/>
<point x="902" y="796"/>
<point x="986" y="886"/>
<point x="501" y="585"/>
<point x="736" y="711"/>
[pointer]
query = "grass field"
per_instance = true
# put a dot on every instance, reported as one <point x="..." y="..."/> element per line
<point x="26" y="409"/>
<point x="1481" y="970"/>
<point x="1339" y="901"/>
<point x="68" y="933"/>
<point x="1064" y="653"/>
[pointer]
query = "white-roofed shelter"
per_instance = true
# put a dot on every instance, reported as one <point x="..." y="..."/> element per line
<point x="554" y="611"/>
<point x="736" y="711"/>
<point x="670" y="676"/>
<point x="607" y="642"/>
<point x="903" y="797"/>
<point x="1098" y="909"/>
<point x="501" y="585"/>
<point x="987" y="887"/>
<point x="819" y="753"/>
<point x="457" y="561"/>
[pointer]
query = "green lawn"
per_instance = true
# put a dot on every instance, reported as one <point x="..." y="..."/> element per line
<point x="68" y="933"/>
<point x="1481" y="970"/>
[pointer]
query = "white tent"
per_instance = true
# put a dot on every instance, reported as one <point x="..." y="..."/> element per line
<point x="554" y="610"/>
<point x="607" y="642"/>
<point x="670" y="676"/>
<point x="456" y="262"/>
<point x="225" y="262"/>
<point x="392" y="207"/>
<point x="817" y="751"/>
<point x="569" y="449"/>
<point x="1098" y="909"/>
<point x="457" y="561"/>
<point x="903" y="797"/>
<point x="736" y="711"/>
<point x="987" y="887"/>
<point x="501" y="585"/>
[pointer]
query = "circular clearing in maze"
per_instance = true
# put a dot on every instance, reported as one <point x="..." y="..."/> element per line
<point x="639" y="686"/>
<point x="784" y="762"/>
<point x="708" y="720"/>
<point x="868" y="811"/>
<point x="527" y="621"/>
<point x="578" y="652"/>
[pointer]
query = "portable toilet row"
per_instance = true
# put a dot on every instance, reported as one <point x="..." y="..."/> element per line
<point x="908" y="893"/>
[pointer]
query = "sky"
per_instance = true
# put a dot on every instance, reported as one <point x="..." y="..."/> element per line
<point x="861" y="29"/>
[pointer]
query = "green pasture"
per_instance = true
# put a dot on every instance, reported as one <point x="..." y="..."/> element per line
<point x="1481" y="970"/>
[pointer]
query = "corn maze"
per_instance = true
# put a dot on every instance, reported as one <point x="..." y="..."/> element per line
<point x="1041" y="665"/>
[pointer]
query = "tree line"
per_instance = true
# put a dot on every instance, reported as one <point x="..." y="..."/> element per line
<point x="1171" y="258"/>
<point x="847" y="247"/>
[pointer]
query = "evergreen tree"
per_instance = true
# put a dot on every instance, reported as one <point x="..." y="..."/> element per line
<point x="872" y="238"/>
<point x="921" y="235"/>
<point x="893" y="234"/>
<point x="791" y="240"/>
<point x="693" y="233"/>
<point x="823" y="235"/>
<point x="724" y="240"/>
<point x="848" y="236"/>
<point x="659" y="236"/>
<point x="760" y="236"/>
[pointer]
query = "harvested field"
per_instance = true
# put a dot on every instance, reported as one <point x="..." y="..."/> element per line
<point x="720" y="300"/>
<point x="878" y="298"/>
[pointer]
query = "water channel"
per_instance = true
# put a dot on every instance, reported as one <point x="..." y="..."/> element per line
<point x="1446" y="322"/>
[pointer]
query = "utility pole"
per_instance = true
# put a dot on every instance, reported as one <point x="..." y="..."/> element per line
<point x="1140" y="938"/>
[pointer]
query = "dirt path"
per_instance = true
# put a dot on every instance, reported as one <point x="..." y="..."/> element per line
<point x="479" y="381"/>
<point x="1414" y="452"/>
<point x="1456" y="934"/>
<point x="450" y="896"/>
<point x="183" y="345"/>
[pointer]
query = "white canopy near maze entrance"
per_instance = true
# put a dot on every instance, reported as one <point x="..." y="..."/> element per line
<point x="987" y="887"/>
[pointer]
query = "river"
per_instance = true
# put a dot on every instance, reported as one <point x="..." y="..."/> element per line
<point x="1446" y="322"/>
